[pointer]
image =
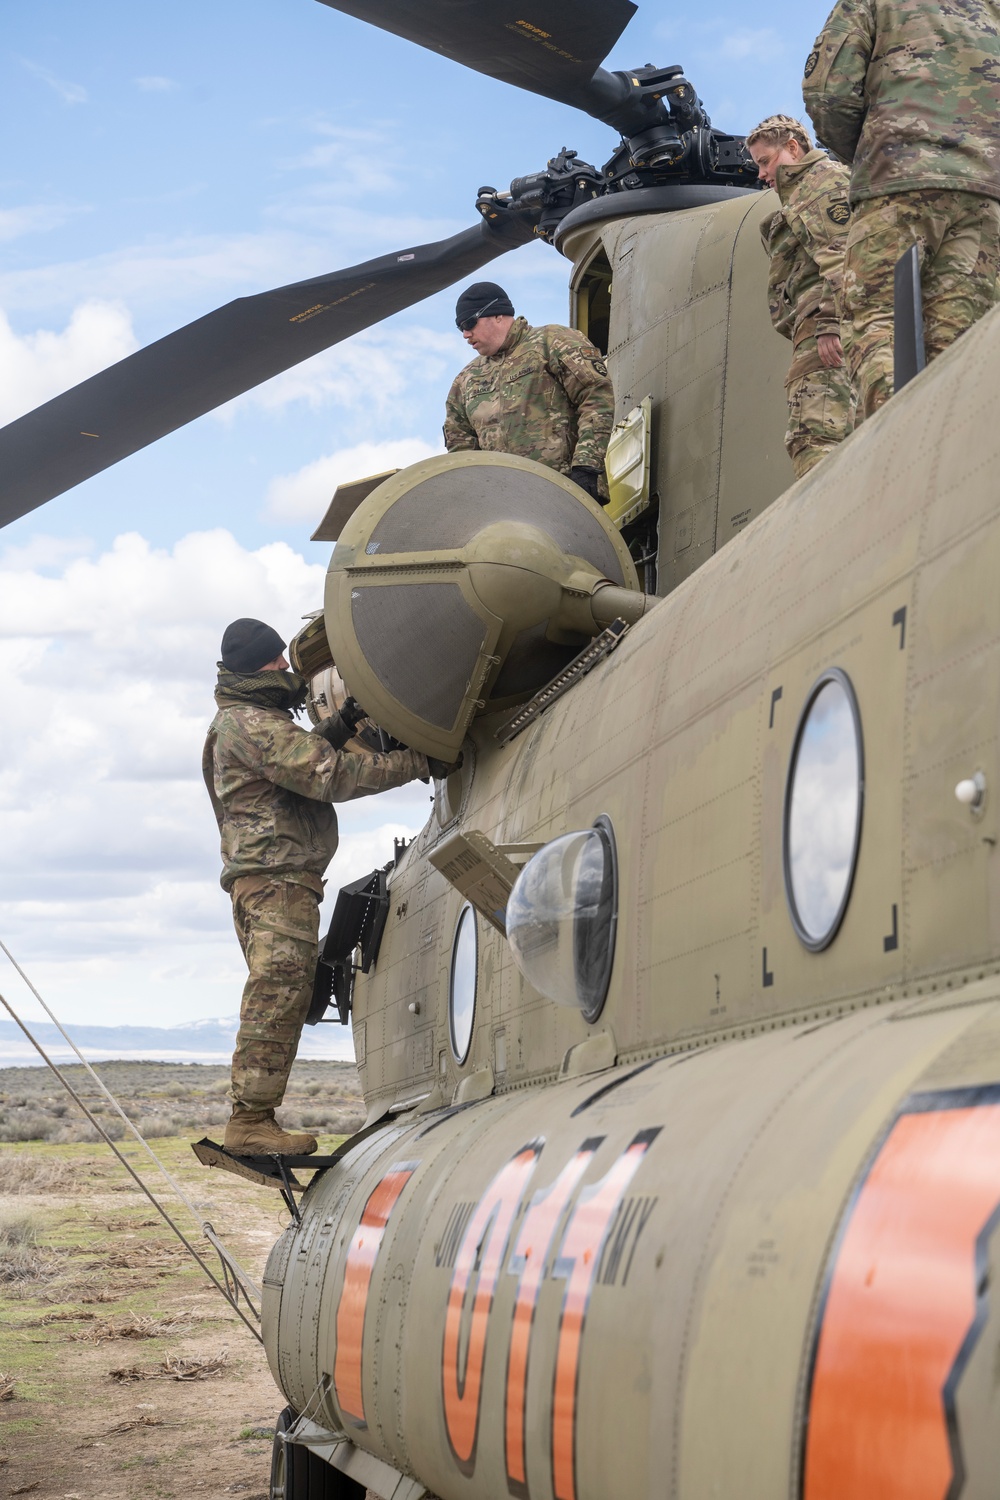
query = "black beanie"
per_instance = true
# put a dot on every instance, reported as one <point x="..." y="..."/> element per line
<point x="248" y="645"/>
<point x="484" y="299"/>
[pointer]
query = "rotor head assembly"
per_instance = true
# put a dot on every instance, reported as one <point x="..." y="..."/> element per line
<point x="462" y="585"/>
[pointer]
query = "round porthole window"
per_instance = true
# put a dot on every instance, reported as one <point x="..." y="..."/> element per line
<point x="562" y="915"/>
<point x="823" y="805"/>
<point x="464" y="978"/>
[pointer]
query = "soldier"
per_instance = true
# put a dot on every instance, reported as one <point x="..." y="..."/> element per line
<point x="908" y="92"/>
<point x="805" y="241"/>
<point x="271" y="785"/>
<point x="544" y="393"/>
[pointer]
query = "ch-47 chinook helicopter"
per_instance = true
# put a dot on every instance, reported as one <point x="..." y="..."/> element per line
<point x="679" y="1022"/>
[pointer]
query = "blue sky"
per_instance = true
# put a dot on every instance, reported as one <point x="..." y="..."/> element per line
<point x="160" y="161"/>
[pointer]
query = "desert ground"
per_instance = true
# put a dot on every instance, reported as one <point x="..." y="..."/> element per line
<point x="123" y="1372"/>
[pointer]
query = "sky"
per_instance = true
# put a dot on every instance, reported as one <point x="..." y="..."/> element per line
<point x="160" y="161"/>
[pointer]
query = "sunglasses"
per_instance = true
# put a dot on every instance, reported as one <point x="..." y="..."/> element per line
<point x="466" y="325"/>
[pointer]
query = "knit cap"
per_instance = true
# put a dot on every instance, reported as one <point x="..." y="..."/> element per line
<point x="248" y="645"/>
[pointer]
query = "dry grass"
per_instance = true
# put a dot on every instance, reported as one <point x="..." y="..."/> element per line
<point x="122" y="1427"/>
<point x="20" y="1258"/>
<point x="21" y="1172"/>
<point x="164" y="1099"/>
<point x="19" y="1228"/>
<point x="174" y="1368"/>
<point x="136" y="1327"/>
<point x="7" y="1389"/>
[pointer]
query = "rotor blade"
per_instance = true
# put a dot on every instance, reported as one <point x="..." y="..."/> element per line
<point x="551" y="47"/>
<point x="221" y="355"/>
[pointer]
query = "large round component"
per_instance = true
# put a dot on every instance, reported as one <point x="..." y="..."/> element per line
<point x="461" y="586"/>
<point x="562" y="915"/>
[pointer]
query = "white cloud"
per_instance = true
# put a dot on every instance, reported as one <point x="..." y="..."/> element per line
<point x="69" y="93"/>
<point x="198" y="272"/>
<point x="370" y="372"/>
<point x="35" y="218"/>
<point x="36" y="366"/>
<point x="154" y="84"/>
<point x="109" y="857"/>
<point x="715" y="40"/>
<point x="761" y="45"/>
<point x="304" y="495"/>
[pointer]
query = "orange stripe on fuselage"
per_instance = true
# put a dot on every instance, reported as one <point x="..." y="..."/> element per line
<point x="361" y="1259"/>
<point x="480" y="1255"/>
<point x="901" y="1299"/>
<point x="528" y="1262"/>
<point x="578" y="1259"/>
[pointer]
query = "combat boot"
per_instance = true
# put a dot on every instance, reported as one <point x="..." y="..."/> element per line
<point x="255" y="1132"/>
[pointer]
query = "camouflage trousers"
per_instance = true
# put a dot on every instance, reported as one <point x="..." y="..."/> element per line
<point x="277" y="923"/>
<point x="820" y="407"/>
<point x="959" y="239"/>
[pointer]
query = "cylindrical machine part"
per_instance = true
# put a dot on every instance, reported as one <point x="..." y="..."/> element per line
<point x="576" y="1290"/>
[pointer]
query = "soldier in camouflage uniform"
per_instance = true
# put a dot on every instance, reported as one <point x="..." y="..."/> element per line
<point x="908" y="92"/>
<point x="271" y="785"/>
<point x="543" y="393"/>
<point x="805" y="242"/>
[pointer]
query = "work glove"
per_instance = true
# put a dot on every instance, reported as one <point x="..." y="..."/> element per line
<point x="340" y="727"/>
<point x="587" y="479"/>
<point x="442" y="769"/>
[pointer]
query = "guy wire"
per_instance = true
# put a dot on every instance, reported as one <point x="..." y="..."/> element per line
<point x="224" y="1255"/>
<point x="128" y="1165"/>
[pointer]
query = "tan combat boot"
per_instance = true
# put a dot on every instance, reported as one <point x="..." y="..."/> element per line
<point x="255" y="1132"/>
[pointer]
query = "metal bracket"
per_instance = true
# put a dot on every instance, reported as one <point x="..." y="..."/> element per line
<point x="601" y="646"/>
<point x="908" y="319"/>
<point x="234" y="1278"/>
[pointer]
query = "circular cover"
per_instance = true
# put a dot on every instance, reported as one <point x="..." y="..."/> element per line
<point x="443" y="583"/>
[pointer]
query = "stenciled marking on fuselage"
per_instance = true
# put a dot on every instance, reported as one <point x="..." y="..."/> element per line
<point x="631" y="1218"/>
<point x="905" y="1304"/>
<point x="353" y="1304"/>
<point x="594" y="1220"/>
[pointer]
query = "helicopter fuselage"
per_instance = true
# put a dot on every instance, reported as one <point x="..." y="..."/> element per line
<point x="737" y="1234"/>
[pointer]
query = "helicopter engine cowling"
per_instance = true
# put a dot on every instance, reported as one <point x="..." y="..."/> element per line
<point x="575" y="1290"/>
<point x="463" y="584"/>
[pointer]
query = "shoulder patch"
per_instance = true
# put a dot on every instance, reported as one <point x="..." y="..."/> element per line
<point x="811" y="62"/>
<point x="840" y="213"/>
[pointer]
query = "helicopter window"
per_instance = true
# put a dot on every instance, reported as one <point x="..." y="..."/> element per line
<point x="464" y="978"/>
<point x="561" y="918"/>
<point x="593" y="302"/>
<point x="823" y="805"/>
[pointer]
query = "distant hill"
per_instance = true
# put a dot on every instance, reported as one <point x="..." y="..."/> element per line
<point x="193" y="1041"/>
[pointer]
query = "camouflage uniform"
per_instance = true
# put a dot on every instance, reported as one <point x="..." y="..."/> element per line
<point x="805" y="241"/>
<point x="546" y="394"/>
<point x="271" y="785"/>
<point x="908" y="91"/>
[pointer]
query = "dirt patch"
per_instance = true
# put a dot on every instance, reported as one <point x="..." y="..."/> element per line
<point x="124" y="1373"/>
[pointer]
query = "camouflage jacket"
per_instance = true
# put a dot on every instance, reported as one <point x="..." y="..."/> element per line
<point x="271" y="785"/>
<point x="805" y="240"/>
<point x="908" y="92"/>
<point x="546" y="394"/>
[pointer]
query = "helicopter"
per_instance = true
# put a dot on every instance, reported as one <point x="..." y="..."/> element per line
<point x="678" y="1023"/>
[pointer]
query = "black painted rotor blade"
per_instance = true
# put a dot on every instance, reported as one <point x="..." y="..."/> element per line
<point x="219" y="356"/>
<point x="550" y="47"/>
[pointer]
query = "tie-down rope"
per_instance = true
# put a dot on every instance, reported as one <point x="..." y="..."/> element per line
<point x="235" y="1279"/>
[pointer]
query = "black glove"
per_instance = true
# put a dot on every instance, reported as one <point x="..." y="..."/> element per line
<point x="442" y="769"/>
<point x="587" y="479"/>
<point x="339" y="727"/>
